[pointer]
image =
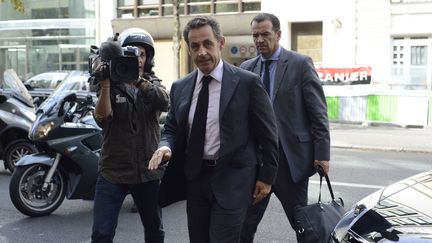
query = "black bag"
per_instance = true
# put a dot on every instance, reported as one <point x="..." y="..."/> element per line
<point x="315" y="222"/>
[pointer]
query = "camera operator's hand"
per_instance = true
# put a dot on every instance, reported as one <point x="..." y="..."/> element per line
<point x="103" y="106"/>
<point x="143" y="84"/>
<point x="162" y="154"/>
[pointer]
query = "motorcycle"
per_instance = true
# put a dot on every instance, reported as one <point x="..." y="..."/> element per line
<point x="70" y="141"/>
<point x="17" y="113"/>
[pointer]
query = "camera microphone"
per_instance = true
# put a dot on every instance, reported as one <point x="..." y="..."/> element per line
<point x="109" y="50"/>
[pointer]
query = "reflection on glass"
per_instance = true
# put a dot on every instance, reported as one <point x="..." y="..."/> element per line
<point x="125" y="2"/>
<point x="199" y="9"/>
<point x="418" y="55"/>
<point x="226" y="7"/>
<point x="148" y="12"/>
<point x="148" y="2"/>
<point x="248" y="7"/>
<point x="168" y="10"/>
<point x="125" y="13"/>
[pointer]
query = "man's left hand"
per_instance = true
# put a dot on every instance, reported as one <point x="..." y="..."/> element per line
<point x="322" y="166"/>
<point x="261" y="191"/>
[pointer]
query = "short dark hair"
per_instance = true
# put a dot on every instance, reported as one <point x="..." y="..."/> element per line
<point x="267" y="16"/>
<point x="199" y="22"/>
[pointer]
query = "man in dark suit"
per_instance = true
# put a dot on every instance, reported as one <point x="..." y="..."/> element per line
<point x="220" y="162"/>
<point x="301" y="115"/>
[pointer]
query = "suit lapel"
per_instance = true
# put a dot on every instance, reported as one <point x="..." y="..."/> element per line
<point x="229" y="84"/>
<point x="281" y="69"/>
<point x="187" y="92"/>
<point x="257" y="66"/>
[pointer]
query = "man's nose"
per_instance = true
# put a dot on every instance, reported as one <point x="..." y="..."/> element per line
<point x="202" y="51"/>
<point x="259" y="38"/>
<point x="141" y="60"/>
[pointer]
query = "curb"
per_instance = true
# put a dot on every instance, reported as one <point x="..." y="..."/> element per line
<point x="381" y="148"/>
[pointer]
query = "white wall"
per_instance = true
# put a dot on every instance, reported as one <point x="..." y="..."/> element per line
<point x="105" y="12"/>
<point x="411" y="19"/>
<point x="337" y="16"/>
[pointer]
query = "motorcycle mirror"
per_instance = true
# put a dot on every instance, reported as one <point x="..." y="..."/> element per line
<point x="68" y="98"/>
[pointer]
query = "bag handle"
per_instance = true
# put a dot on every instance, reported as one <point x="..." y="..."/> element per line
<point x="329" y="187"/>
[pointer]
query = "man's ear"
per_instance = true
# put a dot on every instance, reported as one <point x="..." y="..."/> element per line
<point x="222" y="42"/>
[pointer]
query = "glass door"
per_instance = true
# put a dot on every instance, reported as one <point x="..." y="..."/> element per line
<point x="73" y="57"/>
<point x="14" y="57"/>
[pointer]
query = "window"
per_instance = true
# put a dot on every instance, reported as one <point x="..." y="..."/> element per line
<point x="411" y="63"/>
<point x="226" y="6"/>
<point x="149" y="8"/>
<point x="199" y="7"/>
<point x="418" y="55"/>
<point x="251" y="6"/>
<point x="307" y="38"/>
<point x="398" y="55"/>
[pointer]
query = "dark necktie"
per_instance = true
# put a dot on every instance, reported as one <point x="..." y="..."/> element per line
<point x="266" y="76"/>
<point x="195" y="146"/>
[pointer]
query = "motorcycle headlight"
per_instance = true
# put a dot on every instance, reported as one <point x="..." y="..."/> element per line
<point x="42" y="130"/>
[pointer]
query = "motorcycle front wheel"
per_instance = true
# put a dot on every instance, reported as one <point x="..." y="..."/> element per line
<point x="27" y="195"/>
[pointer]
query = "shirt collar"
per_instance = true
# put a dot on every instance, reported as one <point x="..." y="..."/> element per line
<point x="275" y="55"/>
<point x="216" y="73"/>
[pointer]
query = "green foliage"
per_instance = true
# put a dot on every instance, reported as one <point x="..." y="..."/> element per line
<point x="18" y="5"/>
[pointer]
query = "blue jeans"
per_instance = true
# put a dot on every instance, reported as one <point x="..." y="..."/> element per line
<point x="108" y="201"/>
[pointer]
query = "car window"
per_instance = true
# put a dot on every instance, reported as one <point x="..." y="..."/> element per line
<point x="46" y="80"/>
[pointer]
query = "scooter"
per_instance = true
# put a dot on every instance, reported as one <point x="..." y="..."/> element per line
<point x="17" y="113"/>
<point x="70" y="141"/>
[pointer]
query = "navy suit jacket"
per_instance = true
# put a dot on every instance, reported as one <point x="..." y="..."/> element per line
<point x="301" y="111"/>
<point x="246" y="121"/>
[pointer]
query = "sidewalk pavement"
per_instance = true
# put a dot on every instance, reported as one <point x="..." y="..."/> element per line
<point x="384" y="137"/>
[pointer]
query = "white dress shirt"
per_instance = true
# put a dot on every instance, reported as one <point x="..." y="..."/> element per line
<point x="212" y="138"/>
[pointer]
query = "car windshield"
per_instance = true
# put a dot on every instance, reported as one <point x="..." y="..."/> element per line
<point x="73" y="83"/>
<point x="16" y="88"/>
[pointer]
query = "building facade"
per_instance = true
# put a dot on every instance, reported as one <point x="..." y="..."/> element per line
<point x="390" y="37"/>
<point x="49" y="35"/>
<point x="156" y="16"/>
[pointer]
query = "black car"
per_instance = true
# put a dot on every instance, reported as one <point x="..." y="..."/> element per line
<point x="401" y="212"/>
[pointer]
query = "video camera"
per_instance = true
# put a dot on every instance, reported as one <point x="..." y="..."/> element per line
<point x="119" y="64"/>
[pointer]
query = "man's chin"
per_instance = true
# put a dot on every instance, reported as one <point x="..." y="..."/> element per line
<point x="206" y="68"/>
<point x="263" y="51"/>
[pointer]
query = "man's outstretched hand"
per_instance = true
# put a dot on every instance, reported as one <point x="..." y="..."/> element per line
<point x="160" y="155"/>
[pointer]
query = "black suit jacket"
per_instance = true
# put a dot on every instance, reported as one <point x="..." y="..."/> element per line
<point x="301" y="111"/>
<point x="246" y="121"/>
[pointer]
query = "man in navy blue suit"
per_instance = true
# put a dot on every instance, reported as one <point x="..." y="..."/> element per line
<point x="300" y="107"/>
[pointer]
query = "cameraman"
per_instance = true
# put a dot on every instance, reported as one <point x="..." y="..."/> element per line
<point x="128" y="112"/>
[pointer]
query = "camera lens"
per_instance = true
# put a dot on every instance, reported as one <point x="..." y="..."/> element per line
<point x="124" y="69"/>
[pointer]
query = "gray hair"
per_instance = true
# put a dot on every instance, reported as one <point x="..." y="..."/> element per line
<point x="199" y="22"/>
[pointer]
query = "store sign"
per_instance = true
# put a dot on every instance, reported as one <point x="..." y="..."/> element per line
<point x="243" y="51"/>
<point x="345" y="76"/>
